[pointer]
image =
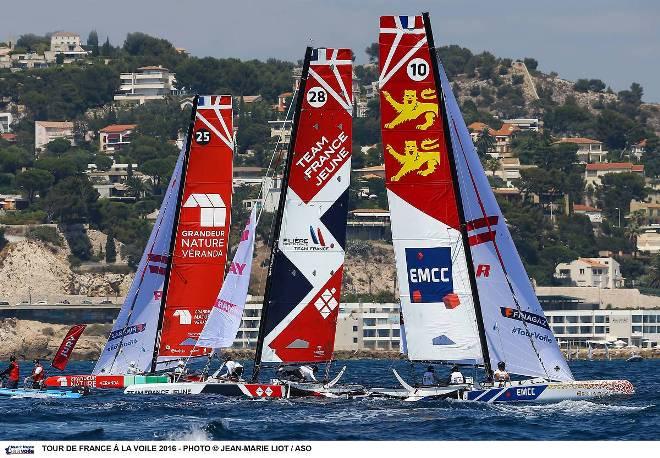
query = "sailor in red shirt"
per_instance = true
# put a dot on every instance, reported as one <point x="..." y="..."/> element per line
<point x="11" y="373"/>
<point x="37" y="375"/>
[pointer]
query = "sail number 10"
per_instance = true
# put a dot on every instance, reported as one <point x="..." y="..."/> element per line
<point x="418" y="69"/>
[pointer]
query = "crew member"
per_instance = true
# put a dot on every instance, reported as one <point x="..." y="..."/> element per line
<point x="501" y="376"/>
<point x="430" y="378"/>
<point x="133" y="369"/>
<point x="456" y="378"/>
<point x="179" y="371"/>
<point x="307" y="373"/>
<point x="37" y="375"/>
<point x="12" y="373"/>
<point x="234" y="369"/>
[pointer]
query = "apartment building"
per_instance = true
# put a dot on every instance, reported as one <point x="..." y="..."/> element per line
<point x="598" y="272"/>
<point x="66" y="43"/>
<point x="47" y="131"/>
<point x="6" y="119"/>
<point x="148" y="83"/>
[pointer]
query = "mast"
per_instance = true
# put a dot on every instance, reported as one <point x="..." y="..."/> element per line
<point x="280" y="213"/>
<point x="457" y="189"/>
<point x="170" y="258"/>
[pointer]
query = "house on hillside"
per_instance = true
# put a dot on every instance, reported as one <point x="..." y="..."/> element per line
<point x="67" y="44"/>
<point x="283" y="101"/>
<point x="594" y="172"/>
<point x="114" y="137"/>
<point x="281" y="131"/>
<point x="651" y="210"/>
<point x="526" y="124"/>
<point x="638" y="149"/>
<point x="594" y="214"/>
<point x="649" y="240"/>
<point x="47" y="131"/>
<point x="588" y="150"/>
<point x="502" y="137"/>
<point x="6" y="119"/>
<point x="595" y="272"/>
<point x="148" y="83"/>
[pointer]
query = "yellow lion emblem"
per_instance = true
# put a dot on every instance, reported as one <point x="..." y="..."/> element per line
<point x="411" y="108"/>
<point x="414" y="158"/>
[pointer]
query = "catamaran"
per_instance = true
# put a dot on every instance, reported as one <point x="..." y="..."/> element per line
<point x="171" y="296"/>
<point x="465" y="296"/>
<point x="303" y="287"/>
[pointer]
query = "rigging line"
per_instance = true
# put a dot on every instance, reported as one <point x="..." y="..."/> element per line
<point x="497" y="249"/>
<point x="144" y="271"/>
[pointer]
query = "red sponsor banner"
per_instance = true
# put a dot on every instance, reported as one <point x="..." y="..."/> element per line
<point x="66" y="347"/>
<point x="417" y="168"/>
<point x="90" y="381"/>
<point x="202" y="233"/>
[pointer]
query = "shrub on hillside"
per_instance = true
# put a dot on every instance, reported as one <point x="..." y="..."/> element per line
<point x="45" y="234"/>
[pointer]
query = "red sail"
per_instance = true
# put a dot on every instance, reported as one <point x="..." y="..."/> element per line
<point x="202" y="231"/>
<point x="66" y="347"/>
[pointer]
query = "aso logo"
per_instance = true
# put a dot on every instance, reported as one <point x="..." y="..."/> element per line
<point x="429" y="274"/>
<point x="213" y="211"/>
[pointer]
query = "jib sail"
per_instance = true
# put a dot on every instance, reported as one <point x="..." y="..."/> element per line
<point x="201" y="233"/>
<point x="437" y="300"/>
<point x="304" y="283"/>
<point x="516" y="328"/>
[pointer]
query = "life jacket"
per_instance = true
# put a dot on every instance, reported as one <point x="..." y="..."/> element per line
<point x="428" y="378"/>
<point x="500" y="375"/>
<point x="15" y="372"/>
<point x="37" y="377"/>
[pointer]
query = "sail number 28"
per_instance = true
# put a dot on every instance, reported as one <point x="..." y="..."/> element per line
<point x="317" y="97"/>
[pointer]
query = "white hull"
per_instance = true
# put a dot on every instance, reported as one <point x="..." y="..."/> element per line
<point x="531" y="390"/>
<point x="224" y="388"/>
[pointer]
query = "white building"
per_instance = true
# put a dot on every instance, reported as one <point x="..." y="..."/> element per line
<point x="531" y="124"/>
<point x="114" y="137"/>
<point x="598" y="272"/>
<point x="280" y="131"/>
<point x="6" y="119"/>
<point x="588" y="150"/>
<point x="649" y="240"/>
<point x="368" y="326"/>
<point x="148" y="83"/>
<point x="65" y="43"/>
<point x="594" y="214"/>
<point x="595" y="172"/>
<point x="47" y="131"/>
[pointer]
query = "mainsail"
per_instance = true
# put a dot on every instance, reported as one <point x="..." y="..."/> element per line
<point x="436" y="294"/>
<point x="225" y="318"/>
<point x="303" y="288"/>
<point x="199" y="245"/>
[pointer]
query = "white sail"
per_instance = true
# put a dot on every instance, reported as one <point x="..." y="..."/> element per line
<point x="225" y="317"/>
<point x="516" y="328"/>
<point x="133" y="335"/>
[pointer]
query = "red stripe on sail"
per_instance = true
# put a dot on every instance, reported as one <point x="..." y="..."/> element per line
<point x="66" y="347"/>
<point x="482" y="238"/>
<point x="202" y="233"/>
<point x="482" y="222"/>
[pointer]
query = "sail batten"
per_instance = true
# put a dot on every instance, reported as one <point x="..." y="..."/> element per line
<point x="303" y="289"/>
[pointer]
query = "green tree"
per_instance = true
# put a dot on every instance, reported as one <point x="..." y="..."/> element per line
<point x="373" y="51"/>
<point x="93" y="42"/>
<point x="634" y="228"/>
<point x="485" y="143"/>
<point x="110" y="250"/>
<point x="617" y="190"/>
<point x="103" y="162"/>
<point x="106" y="49"/>
<point x="34" y="181"/>
<point x="653" y="278"/>
<point x="58" y="146"/>
<point x="71" y="200"/>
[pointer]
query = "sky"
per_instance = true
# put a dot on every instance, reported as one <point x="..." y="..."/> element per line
<point x="615" y="41"/>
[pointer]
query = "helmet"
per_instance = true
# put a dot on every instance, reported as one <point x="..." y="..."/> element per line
<point x="454" y="368"/>
<point x="181" y="363"/>
<point x="132" y="364"/>
<point x="12" y="358"/>
<point x="35" y="361"/>
<point x="501" y="365"/>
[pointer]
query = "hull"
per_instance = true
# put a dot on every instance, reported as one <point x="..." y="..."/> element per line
<point x="231" y="389"/>
<point x="102" y="381"/>
<point x="39" y="394"/>
<point x="323" y="390"/>
<point x="534" y="390"/>
<point x="552" y="392"/>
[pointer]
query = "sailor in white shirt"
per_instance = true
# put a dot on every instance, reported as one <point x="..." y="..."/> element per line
<point x="133" y="369"/>
<point x="456" y="378"/>
<point x="501" y="376"/>
<point x="430" y="378"/>
<point x="234" y="369"/>
<point x="307" y="373"/>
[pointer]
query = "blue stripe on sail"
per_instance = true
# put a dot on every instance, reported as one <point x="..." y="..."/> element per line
<point x="334" y="219"/>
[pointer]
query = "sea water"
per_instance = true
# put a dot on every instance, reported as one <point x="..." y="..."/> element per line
<point x="111" y="415"/>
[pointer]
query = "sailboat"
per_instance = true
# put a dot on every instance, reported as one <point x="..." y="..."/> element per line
<point x="303" y="287"/>
<point x="465" y="296"/>
<point x="182" y="267"/>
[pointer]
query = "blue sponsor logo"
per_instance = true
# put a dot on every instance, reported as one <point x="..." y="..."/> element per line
<point x="20" y="450"/>
<point x="527" y="317"/>
<point x="429" y="274"/>
<point x="127" y="331"/>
